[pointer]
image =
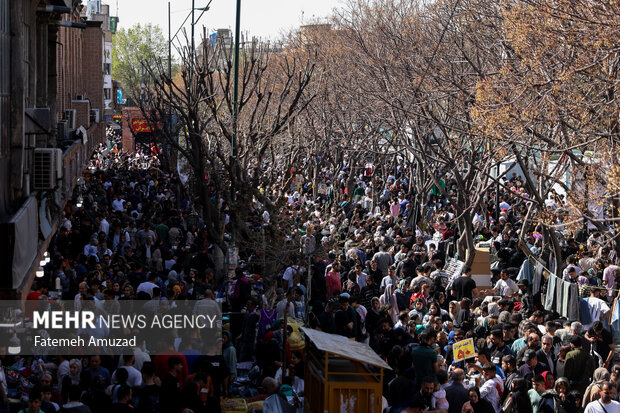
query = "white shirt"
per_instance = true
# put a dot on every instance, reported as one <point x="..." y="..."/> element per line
<point x="598" y="308"/>
<point x="104" y="226"/>
<point x="598" y="406"/>
<point x="118" y="205"/>
<point x="506" y="288"/>
<point x="147" y="287"/>
<point x="492" y="390"/>
<point x="290" y="272"/>
<point x="272" y="404"/>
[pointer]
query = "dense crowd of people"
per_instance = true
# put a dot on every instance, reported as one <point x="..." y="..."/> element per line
<point x="378" y="276"/>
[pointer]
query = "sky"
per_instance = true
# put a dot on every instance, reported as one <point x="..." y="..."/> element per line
<point x="267" y="19"/>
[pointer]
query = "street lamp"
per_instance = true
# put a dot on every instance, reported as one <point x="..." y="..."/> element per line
<point x="171" y="38"/>
<point x="15" y="345"/>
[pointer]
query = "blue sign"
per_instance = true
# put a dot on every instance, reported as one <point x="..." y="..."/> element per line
<point x="119" y="97"/>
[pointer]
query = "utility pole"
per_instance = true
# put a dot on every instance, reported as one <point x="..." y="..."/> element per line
<point x="191" y="54"/>
<point x="169" y="70"/>
<point x="497" y="211"/>
<point x="169" y="45"/>
<point x="235" y="109"/>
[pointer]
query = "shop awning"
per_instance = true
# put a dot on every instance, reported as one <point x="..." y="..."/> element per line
<point x="343" y="347"/>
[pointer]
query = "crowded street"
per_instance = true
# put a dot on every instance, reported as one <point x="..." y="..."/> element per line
<point x="364" y="206"/>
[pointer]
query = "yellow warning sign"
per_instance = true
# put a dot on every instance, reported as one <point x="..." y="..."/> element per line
<point x="463" y="349"/>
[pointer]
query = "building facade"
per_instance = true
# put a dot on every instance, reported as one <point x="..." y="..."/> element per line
<point x="47" y="128"/>
<point x="97" y="12"/>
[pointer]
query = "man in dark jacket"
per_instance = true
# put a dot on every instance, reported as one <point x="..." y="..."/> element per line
<point x="579" y="366"/>
<point x="369" y="291"/>
<point x="456" y="393"/>
<point x="531" y="367"/>
<point x="346" y="318"/>
<point x="407" y="267"/>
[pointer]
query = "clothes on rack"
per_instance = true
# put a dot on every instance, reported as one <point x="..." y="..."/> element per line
<point x="550" y="297"/>
<point x="526" y="272"/>
<point x="573" y="302"/>
<point x="563" y="297"/>
<point x="538" y="277"/>
<point x="584" y="312"/>
<point x="615" y="317"/>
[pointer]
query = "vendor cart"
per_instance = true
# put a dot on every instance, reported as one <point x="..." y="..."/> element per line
<point x="341" y="375"/>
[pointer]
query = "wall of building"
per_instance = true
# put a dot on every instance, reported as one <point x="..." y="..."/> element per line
<point x="92" y="64"/>
<point x="48" y="67"/>
<point x="69" y="63"/>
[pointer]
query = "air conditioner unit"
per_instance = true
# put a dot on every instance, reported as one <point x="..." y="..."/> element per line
<point x="47" y="168"/>
<point x="70" y="118"/>
<point x="79" y="97"/>
<point x="62" y="129"/>
<point x="94" y="116"/>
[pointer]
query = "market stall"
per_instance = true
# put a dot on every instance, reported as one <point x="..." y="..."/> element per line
<point x="341" y="375"/>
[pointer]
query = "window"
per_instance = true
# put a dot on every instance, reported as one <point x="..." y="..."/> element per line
<point x="5" y="73"/>
<point x="107" y="95"/>
<point x="107" y="69"/>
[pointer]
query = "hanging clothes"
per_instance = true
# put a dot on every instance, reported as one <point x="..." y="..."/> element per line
<point x="526" y="272"/>
<point x="559" y="284"/>
<point x="573" y="302"/>
<point x="565" y="298"/>
<point x="550" y="297"/>
<point x="615" y="318"/>
<point x="538" y="276"/>
<point x="585" y="317"/>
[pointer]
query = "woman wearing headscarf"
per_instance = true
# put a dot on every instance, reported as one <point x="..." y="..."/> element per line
<point x="229" y="353"/>
<point x="403" y="295"/>
<point x="388" y="298"/>
<point x="434" y="311"/>
<point x="549" y="380"/>
<point x="374" y="316"/>
<point x="518" y="401"/>
<point x="551" y="400"/>
<point x="453" y="309"/>
<point x="420" y="251"/>
<point x="464" y="320"/>
<point x="477" y="404"/>
<point x="593" y="391"/>
<point x="420" y="307"/>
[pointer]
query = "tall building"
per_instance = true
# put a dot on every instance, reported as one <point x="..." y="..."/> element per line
<point x="49" y="83"/>
<point x="97" y="12"/>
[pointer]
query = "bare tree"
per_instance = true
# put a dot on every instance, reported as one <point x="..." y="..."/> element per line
<point x="273" y="91"/>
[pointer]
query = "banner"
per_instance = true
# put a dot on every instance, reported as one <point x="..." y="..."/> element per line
<point x="463" y="349"/>
<point x="140" y="126"/>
